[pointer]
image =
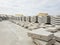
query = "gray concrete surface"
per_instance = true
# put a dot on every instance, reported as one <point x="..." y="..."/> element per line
<point x="12" y="34"/>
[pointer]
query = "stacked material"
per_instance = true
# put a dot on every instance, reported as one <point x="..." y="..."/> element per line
<point x="45" y="25"/>
<point x="57" y="43"/>
<point x="40" y="42"/>
<point x="22" y="23"/>
<point x="18" y="20"/>
<point x="41" y="34"/>
<point x="0" y="19"/>
<point x="27" y="24"/>
<point x="23" y="18"/>
<point x="33" y="26"/>
<point x="42" y="25"/>
<point x="12" y="19"/>
<point x="42" y="19"/>
<point x="42" y="37"/>
<point x="28" y="18"/>
<point x="55" y="20"/>
<point x="48" y="19"/>
<point x="33" y="19"/>
<point x="52" y="20"/>
<point x="57" y="37"/>
<point x="58" y="27"/>
<point x="36" y="19"/>
<point x="52" y="29"/>
<point x="15" y="19"/>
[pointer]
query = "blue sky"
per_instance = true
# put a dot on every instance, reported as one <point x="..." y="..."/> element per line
<point x="30" y="7"/>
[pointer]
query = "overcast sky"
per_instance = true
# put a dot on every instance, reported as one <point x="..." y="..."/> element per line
<point x="30" y="7"/>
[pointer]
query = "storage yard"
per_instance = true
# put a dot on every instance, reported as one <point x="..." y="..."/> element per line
<point x="42" y="29"/>
<point x="12" y="34"/>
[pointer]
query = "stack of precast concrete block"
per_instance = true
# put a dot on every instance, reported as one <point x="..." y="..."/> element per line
<point x="33" y="26"/>
<point x="0" y="19"/>
<point x="42" y="37"/>
<point x="55" y="20"/>
<point x="42" y="19"/>
<point x="52" y="29"/>
<point x="43" y="33"/>
<point x="33" y="19"/>
<point x="57" y="37"/>
<point x="30" y="22"/>
<point x="4" y="17"/>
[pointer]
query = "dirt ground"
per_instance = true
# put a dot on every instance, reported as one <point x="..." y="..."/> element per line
<point x="12" y="34"/>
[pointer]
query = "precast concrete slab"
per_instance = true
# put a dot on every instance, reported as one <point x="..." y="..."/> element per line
<point x="52" y="29"/>
<point x="41" y="34"/>
<point x="57" y="36"/>
<point x="57" y="43"/>
<point x="40" y="42"/>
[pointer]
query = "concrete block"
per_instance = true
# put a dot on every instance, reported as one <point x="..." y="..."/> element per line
<point x="49" y="25"/>
<point x="58" y="27"/>
<point x="57" y="36"/>
<point x="27" y="24"/>
<point x="33" y="19"/>
<point x="27" y="18"/>
<point x="57" y="43"/>
<point x="30" y="28"/>
<point x="52" y="29"/>
<point x="40" y="42"/>
<point x="0" y="19"/>
<point x="42" y="26"/>
<point x="55" y="20"/>
<point x="33" y="26"/>
<point x="22" y="24"/>
<point x="41" y="34"/>
<point x="42" y="19"/>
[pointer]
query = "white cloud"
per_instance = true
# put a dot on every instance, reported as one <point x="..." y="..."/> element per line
<point x="29" y="7"/>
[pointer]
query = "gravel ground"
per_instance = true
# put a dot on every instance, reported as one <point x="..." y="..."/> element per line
<point x="12" y="34"/>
